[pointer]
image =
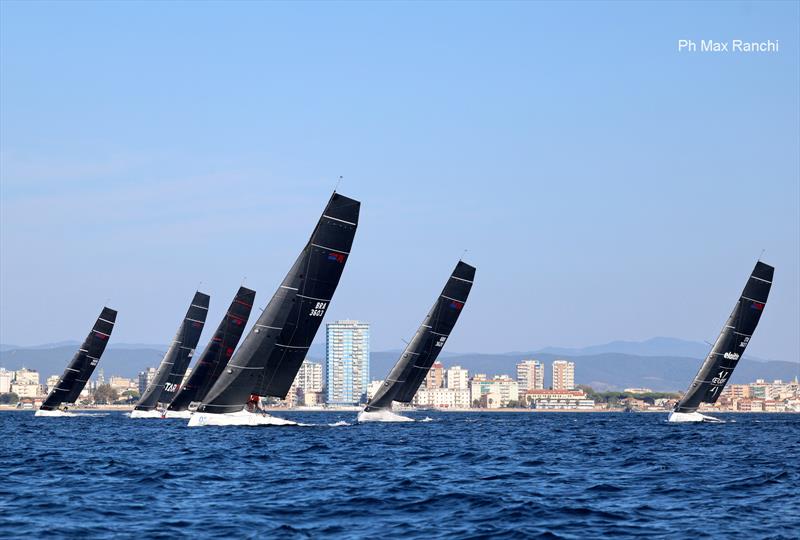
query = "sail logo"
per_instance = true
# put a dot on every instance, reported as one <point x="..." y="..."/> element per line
<point x="744" y="342"/>
<point x="721" y="378"/>
<point x="318" y="310"/>
<point x="338" y="257"/>
<point x="170" y="387"/>
<point x="456" y="305"/>
<point x="441" y="341"/>
<point x="730" y="356"/>
<point x="757" y="306"/>
<point x="237" y="322"/>
<point x="100" y="335"/>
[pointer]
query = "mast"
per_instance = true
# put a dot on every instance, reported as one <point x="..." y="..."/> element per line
<point x="731" y="343"/>
<point x="176" y="360"/>
<point x="217" y="353"/>
<point x="82" y="365"/>
<point x="271" y="354"/>
<point x="419" y="355"/>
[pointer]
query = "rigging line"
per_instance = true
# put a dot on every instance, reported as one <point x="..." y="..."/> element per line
<point x="338" y="181"/>
<point x="762" y="254"/>
<point x="463" y="254"/>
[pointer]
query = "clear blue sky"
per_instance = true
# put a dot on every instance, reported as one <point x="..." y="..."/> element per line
<point x="606" y="186"/>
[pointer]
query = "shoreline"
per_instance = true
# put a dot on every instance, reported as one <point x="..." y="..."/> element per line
<point x="126" y="408"/>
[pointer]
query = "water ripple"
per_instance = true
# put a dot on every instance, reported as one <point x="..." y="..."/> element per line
<point x="476" y="475"/>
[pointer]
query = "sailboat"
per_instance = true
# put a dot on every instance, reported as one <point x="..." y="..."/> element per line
<point x="80" y="368"/>
<point x="271" y="354"/>
<point x="419" y="355"/>
<point x="215" y="356"/>
<point x="176" y="360"/>
<point x="728" y="349"/>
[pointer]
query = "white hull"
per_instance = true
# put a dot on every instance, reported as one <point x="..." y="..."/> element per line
<point x="178" y="414"/>
<point x="678" y="417"/>
<point x="239" y="418"/>
<point x="384" y="415"/>
<point x="54" y="414"/>
<point x="145" y="414"/>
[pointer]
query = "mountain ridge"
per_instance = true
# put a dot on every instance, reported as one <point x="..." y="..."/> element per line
<point x="599" y="366"/>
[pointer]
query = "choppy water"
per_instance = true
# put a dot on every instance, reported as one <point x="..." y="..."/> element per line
<point x="466" y="475"/>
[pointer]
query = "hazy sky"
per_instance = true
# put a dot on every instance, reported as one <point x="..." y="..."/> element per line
<point x="607" y="187"/>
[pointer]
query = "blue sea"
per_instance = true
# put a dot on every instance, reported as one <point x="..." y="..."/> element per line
<point x="454" y="475"/>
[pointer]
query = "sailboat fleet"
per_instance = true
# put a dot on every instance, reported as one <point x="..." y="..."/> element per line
<point x="227" y="384"/>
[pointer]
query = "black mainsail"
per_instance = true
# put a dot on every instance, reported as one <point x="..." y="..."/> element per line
<point x="271" y="354"/>
<point x="217" y="353"/>
<point x="82" y="366"/>
<point x="419" y="355"/>
<point x="173" y="366"/>
<point x="731" y="343"/>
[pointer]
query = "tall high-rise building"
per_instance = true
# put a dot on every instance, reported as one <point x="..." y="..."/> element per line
<point x="530" y="375"/>
<point x="563" y="375"/>
<point x="435" y="376"/>
<point x="347" y="362"/>
<point x="457" y="378"/>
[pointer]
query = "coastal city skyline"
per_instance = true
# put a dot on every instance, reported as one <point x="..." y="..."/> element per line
<point x="344" y="378"/>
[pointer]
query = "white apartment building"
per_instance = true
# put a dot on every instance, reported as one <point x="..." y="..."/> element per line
<point x="442" y="398"/>
<point x="26" y="376"/>
<point x="457" y="378"/>
<point x="503" y="388"/>
<point x="5" y="380"/>
<point x="26" y="389"/>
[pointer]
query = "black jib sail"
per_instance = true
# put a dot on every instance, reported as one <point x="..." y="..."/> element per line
<point x="217" y="353"/>
<point x="408" y="373"/>
<point x="731" y="343"/>
<point x="271" y="354"/>
<point x="173" y="366"/>
<point x="82" y="366"/>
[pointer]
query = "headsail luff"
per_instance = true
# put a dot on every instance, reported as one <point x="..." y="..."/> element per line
<point x="419" y="355"/>
<point x="173" y="366"/>
<point x="217" y="353"/>
<point x="82" y="365"/>
<point x="731" y="343"/>
<point x="271" y="354"/>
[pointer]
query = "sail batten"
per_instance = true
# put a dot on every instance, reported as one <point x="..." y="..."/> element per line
<point x="82" y="365"/>
<point x="176" y="360"/>
<point x="731" y="343"/>
<point x="271" y="354"/>
<point x="421" y="352"/>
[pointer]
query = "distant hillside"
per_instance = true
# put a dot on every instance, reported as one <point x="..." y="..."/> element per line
<point x="608" y="371"/>
<point x="595" y="366"/>
<point x="126" y="362"/>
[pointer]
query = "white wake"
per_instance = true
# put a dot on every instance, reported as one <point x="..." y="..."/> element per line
<point x="239" y="418"/>
<point x="383" y="415"/>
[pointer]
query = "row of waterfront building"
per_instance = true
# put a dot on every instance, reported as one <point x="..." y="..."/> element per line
<point x="344" y="380"/>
